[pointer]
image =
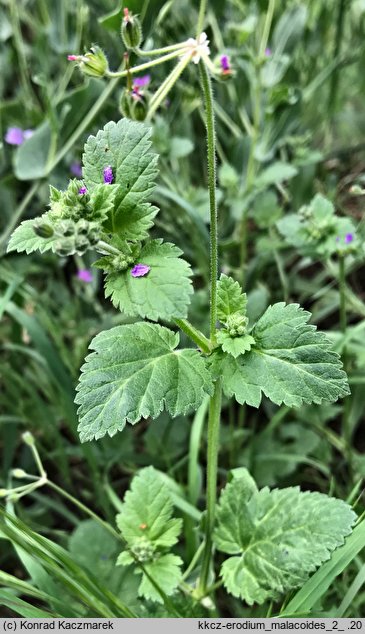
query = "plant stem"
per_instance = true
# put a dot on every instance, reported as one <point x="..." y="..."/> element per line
<point x="166" y="86"/>
<point x="212" y="177"/>
<point x="201" y="16"/>
<point x="216" y="400"/>
<point x="212" y="469"/>
<point x="195" y="335"/>
<point x="85" y="509"/>
<point x="159" y="51"/>
<point x="137" y="69"/>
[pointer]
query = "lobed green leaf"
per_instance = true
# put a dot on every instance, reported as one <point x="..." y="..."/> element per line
<point x="290" y="362"/>
<point x="162" y="294"/>
<point x="25" y="239"/>
<point x="147" y="510"/>
<point x="134" y="373"/>
<point x="277" y="537"/>
<point x="230" y="298"/>
<point x="125" y="146"/>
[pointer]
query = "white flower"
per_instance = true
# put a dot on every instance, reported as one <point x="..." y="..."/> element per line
<point x="197" y="48"/>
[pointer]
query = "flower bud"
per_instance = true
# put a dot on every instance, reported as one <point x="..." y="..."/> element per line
<point x="82" y="244"/>
<point x="143" y="549"/>
<point x="126" y="103"/>
<point x="83" y="227"/>
<point x="131" y="30"/>
<point x="28" y="438"/>
<point x="18" y="473"/>
<point x="94" y="237"/>
<point x="356" y="190"/>
<point x="236" y="324"/>
<point x="3" y="493"/>
<point x="43" y="229"/>
<point x="139" y="109"/>
<point x="94" y="63"/>
<point x="63" y="248"/>
<point x="66" y="228"/>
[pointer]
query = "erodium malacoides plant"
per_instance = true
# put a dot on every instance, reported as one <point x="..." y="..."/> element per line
<point x="271" y="539"/>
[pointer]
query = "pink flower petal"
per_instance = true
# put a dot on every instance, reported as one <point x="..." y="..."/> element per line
<point x="84" y="275"/>
<point x="140" y="270"/>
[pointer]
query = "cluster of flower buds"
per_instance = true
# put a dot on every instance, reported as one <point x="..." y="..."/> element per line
<point x="236" y="325"/>
<point x="315" y="227"/>
<point x="94" y="63"/>
<point x="72" y="237"/>
<point x="305" y="212"/>
<point x="125" y="255"/>
<point x="131" y="30"/>
<point x="143" y="549"/>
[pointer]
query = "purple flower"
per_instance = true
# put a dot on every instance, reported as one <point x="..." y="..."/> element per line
<point x="141" y="82"/>
<point x="108" y="175"/>
<point x="82" y="190"/>
<point x="84" y="275"/>
<point x="349" y="238"/>
<point x="76" y="169"/>
<point x="140" y="270"/>
<point x="225" y="65"/>
<point x="17" y="136"/>
<point x="268" y="52"/>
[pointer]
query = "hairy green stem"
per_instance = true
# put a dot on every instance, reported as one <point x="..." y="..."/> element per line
<point x="195" y="335"/>
<point x="212" y="178"/>
<point x="136" y="69"/>
<point x="212" y="470"/>
<point x="216" y="400"/>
